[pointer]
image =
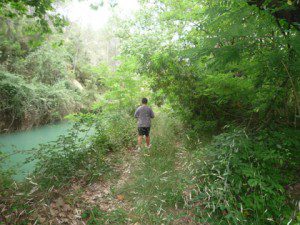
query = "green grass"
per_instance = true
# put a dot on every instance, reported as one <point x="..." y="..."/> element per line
<point x="96" y="216"/>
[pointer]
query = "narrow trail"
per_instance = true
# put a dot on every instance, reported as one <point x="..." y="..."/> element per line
<point x="147" y="187"/>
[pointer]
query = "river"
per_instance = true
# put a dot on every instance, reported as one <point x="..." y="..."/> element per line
<point x="26" y="140"/>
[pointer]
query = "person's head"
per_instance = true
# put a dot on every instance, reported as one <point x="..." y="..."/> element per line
<point x="144" y="101"/>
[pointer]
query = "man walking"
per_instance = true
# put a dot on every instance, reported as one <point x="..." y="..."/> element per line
<point x="144" y="114"/>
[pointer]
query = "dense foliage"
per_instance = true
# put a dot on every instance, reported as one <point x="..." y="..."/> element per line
<point x="52" y="75"/>
<point x="27" y="104"/>
<point x="43" y="12"/>
<point x="237" y="67"/>
<point x="81" y="154"/>
<point x="227" y="70"/>
<point x="246" y="177"/>
<point x="220" y="64"/>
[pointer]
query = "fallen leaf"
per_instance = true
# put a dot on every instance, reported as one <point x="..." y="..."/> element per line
<point x="42" y="219"/>
<point x="53" y="212"/>
<point x="34" y="189"/>
<point x="66" y="208"/>
<point x="60" y="202"/>
<point x="65" y="220"/>
<point x="61" y="214"/>
<point x="120" y="197"/>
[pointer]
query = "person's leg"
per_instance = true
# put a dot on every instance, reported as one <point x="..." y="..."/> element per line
<point x="147" y="133"/>
<point x="140" y="137"/>
<point x="148" y="140"/>
<point x="140" y="140"/>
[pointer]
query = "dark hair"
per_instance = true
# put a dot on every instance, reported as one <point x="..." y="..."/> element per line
<point x="144" y="100"/>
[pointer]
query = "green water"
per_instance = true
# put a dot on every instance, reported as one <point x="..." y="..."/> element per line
<point x="26" y="140"/>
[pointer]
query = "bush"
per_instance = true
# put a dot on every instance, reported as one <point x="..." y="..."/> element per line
<point x="81" y="153"/>
<point x="120" y="127"/>
<point x="48" y="64"/>
<point x="242" y="178"/>
<point x="24" y="105"/>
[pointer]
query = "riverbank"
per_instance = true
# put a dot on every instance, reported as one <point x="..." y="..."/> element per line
<point x="26" y="105"/>
<point x="18" y="145"/>
<point x="102" y="179"/>
<point x="136" y="188"/>
<point x="71" y="158"/>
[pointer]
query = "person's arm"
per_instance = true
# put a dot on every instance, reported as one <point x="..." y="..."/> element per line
<point x="151" y="113"/>
<point x="137" y="113"/>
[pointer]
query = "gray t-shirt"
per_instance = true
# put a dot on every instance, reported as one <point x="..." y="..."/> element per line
<point x="144" y="115"/>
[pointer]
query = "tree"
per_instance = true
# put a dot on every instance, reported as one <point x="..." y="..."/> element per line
<point x="286" y="10"/>
<point x="218" y="62"/>
<point x="43" y="11"/>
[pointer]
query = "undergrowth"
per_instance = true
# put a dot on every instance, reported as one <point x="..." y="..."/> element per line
<point x="242" y="178"/>
<point x="81" y="154"/>
<point x="96" y="216"/>
<point x="156" y="187"/>
<point x="25" y="104"/>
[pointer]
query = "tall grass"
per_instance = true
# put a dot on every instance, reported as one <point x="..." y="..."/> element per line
<point x="155" y="187"/>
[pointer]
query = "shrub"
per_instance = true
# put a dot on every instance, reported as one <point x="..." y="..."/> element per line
<point x="48" y="64"/>
<point x="81" y="153"/>
<point x="24" y="105"/>
<point x="242" y="178"/>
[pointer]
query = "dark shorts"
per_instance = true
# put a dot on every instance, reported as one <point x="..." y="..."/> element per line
<point x="144" y="131"/>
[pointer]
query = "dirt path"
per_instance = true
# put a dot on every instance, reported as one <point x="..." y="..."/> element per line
<point x="75" y="206"/>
